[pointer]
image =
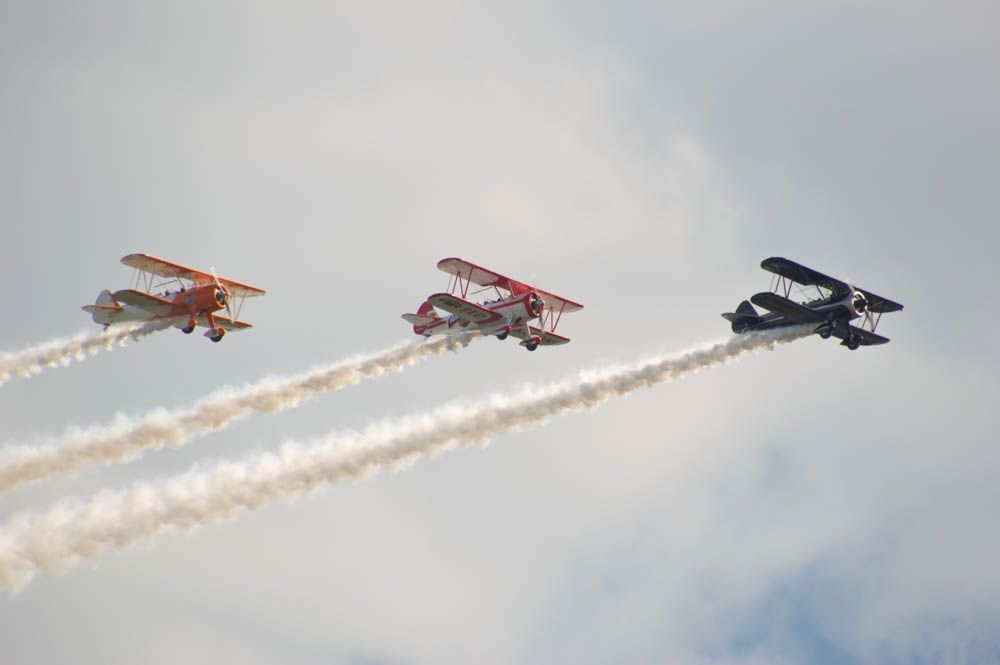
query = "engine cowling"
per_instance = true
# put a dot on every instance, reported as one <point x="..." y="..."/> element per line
<point x="536" y="304"/>
<point x="859" y="303"/>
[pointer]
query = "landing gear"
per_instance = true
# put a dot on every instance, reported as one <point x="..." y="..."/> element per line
<point x="825" y="333"/>
<point x="188" y="329"/>
<point x="502" y="336"/>
<point x="852" y="343"/>
<point x="531" y="345"/>
<point x="216" y="334"/>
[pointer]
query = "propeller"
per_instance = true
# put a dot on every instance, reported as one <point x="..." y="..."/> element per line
<point x="862" y="306"/>
<point x="222" y="294"/>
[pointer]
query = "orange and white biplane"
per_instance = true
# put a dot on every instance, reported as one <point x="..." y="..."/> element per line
<point x="192" y="298"/>
<point x="516" y="305"/>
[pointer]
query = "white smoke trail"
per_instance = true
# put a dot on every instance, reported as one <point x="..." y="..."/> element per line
<point x="59" y="353"/>
<point x="69" y="533"/>
<point x="20" y="465"/>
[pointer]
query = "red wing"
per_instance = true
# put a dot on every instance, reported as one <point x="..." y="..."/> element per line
<point x="558" y="303"/>
<point x="481" y="276"/>
<point x="548" y="338"/>
<point x="169" y="269"/>
<point x="469" y="311"/>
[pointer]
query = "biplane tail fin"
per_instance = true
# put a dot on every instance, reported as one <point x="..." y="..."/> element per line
<point x="105" y="299"/>
<point x="745" y="315"/>
<point x="746" y="309"/>
<point x="425" y="315"/>
<point x="427" y="310"/>
<point x="104" y="308"/>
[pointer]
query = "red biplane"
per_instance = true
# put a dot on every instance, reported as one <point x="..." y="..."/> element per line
<point x="510" y="313"/>
<point x="194" y="300"/>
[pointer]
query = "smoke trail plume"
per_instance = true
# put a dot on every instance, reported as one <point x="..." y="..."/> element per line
<point x="69" y="533"/>
<point x="31" y="361"/>
<point x="127" y="438"/>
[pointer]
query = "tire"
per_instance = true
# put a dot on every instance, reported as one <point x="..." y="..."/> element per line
<point x="217" y="338"/>
<point x="502" y="336"/>
<point x="531" y="346"/>
<point x="826" y="334"/>
<point x="853" y="344"/>
<point x="188" y="330"/>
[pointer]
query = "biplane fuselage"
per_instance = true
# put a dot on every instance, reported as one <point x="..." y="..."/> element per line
<point x="512" y="312"/>
<point x="830" y="315"/>
<point x="186" y="304"/>
<point x="186" y="307"/>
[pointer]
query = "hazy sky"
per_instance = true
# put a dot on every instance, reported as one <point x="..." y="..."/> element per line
<point x="808" y="505"/>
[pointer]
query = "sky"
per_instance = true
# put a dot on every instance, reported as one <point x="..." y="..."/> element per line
<point x="808" y="505"/>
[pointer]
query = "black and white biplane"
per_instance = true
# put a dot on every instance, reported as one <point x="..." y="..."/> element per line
<point x="837" y="304"/>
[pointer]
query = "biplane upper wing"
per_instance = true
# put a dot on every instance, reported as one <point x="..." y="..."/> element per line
<point x="480" y="275"/>
<point x="223" y="322"/>
<point x="486" y="277"/>
<point x="867" y="337"/>
<point x="790" y="309"/>
<point x="558" y="303"/>
<point x="144" y="301"/>
<point x="802" y="275"/>
<point x="548" y="338"/>
<point x="809" y="277"/>
<point x="169" y="269"/>
<point x="469" y="311"/>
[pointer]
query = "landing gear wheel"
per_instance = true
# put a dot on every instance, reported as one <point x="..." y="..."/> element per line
<point x="502" y="336"/>
<point x="216" y="338"/>
<point x="853" y="343"/>
<point x="188" y="329"/>
<point x="825" y="334"/>
<point x="531" y="346"/>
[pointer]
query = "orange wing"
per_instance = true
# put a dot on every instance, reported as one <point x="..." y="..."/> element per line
<point x="169" y="269"/>
<point x="144" y="301"/>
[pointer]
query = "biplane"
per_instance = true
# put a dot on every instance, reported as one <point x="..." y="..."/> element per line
<point x="189" y="298"/>
<point x="508" y="310"/>
<point x="837" y="304"/>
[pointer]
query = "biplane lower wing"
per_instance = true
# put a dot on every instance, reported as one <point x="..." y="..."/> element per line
<point x="221" y="322"/>
<point x="864" y="337"/>
<point x="144" y="301"/>
<point x="790" y="309"/>
<point x="465" y="309"/>
<point x="547" y="338"/>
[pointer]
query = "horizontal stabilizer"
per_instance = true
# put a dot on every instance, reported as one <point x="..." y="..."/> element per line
<point x="418" y="320"/>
